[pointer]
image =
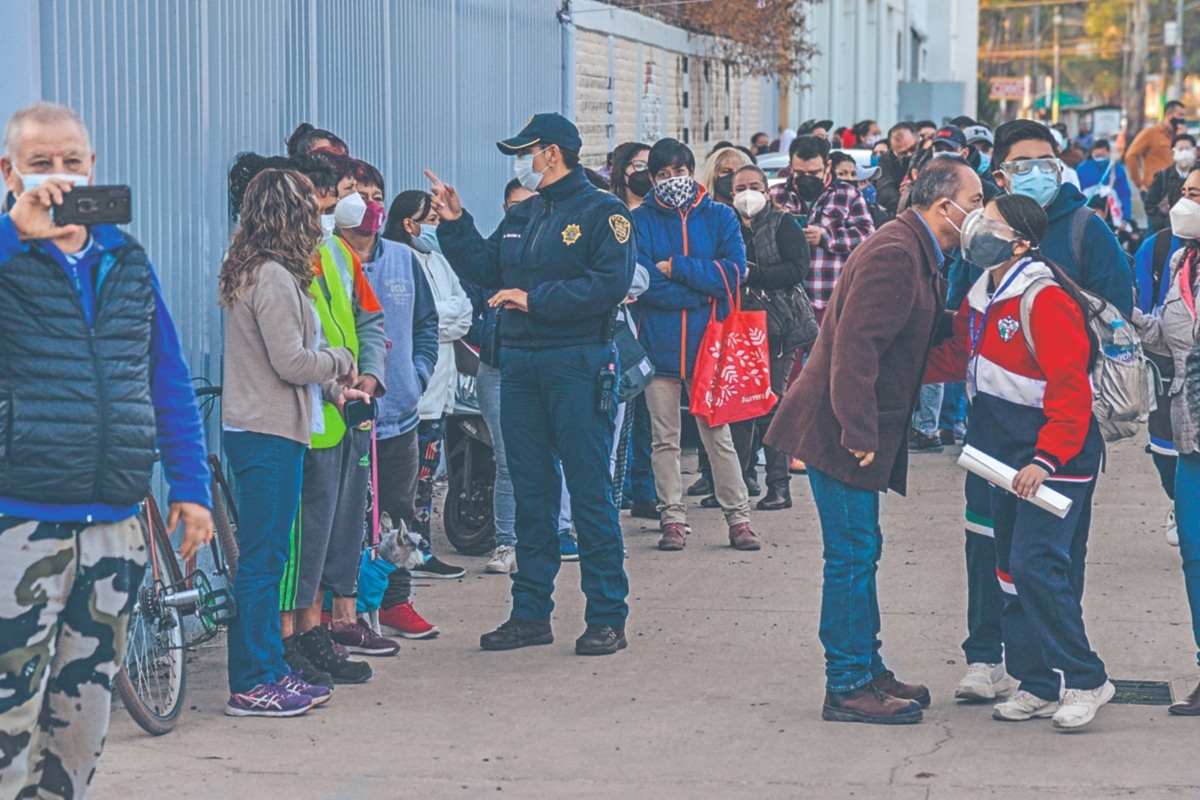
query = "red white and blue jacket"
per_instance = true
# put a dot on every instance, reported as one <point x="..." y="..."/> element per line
<point x="1024" y="409"/>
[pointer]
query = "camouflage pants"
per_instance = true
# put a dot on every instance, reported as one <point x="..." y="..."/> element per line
<point x="66" y="591"/>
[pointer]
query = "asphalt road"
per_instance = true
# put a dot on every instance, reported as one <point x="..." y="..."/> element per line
<point x="719" y="694"/>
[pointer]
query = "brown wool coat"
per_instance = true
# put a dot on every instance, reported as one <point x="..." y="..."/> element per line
<point x="860" y="385"/>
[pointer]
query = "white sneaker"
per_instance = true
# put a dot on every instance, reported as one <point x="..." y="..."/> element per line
<point x="982" y="682"/>
<point x="1022" y="706"/>
<point x="1079" y="706"/>
<point x="504" y="560"/>
<point x="1172" y="529"/>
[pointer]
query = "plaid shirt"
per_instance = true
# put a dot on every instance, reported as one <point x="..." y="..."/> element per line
<point x="845" y="222"/>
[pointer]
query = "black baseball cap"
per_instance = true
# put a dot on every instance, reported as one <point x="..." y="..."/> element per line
<point x="544" y="129"/>
<point x="951" y="137"/>
<point x="810" y="125"/>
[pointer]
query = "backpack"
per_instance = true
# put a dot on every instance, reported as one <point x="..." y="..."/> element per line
<point x="1123" y="394"/>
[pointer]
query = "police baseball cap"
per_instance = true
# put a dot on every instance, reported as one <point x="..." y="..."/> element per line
<point x="978" y="133"/>
<point x="543" y="129"/>
<point x="950" y="138"/>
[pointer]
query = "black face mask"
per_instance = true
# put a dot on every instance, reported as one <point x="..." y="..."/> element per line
<point x="639" y="182"/>
<point x="808" y="187"/>
<point x="1177" y="121"/>
<point x="723" y="186"/>
<point x="762" y="150"/>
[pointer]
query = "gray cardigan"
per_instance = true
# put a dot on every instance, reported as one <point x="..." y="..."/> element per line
<point x="269" y="361"/>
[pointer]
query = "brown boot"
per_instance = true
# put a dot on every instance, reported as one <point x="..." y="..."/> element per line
<point x="887" y="683"/>
<point x="742" y="538"/>
<point x="872" y="705"/>
<point x="1189" y="707"/>
<point x="674" y="536"/>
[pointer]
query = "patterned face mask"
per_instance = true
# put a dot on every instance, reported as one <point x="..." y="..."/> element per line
<point x="676" y="192"/>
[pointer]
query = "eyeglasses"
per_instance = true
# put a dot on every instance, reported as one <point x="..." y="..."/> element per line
<point x="1028" y="165"/>
<point x="637" y="166"/>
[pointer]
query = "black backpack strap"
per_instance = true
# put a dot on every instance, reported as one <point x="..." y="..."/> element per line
<point x="1079" y="222"/>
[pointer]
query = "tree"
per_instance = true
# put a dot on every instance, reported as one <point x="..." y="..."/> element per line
<point x="764" y="37"/>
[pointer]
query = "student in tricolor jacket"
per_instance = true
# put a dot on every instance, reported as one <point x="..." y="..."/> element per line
<point x="1032" y="409"/>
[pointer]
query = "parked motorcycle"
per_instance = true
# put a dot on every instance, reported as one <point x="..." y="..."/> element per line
<point x="470" y="465"/>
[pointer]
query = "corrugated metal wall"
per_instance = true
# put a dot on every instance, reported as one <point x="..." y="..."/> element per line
<point x="172" y="91"/>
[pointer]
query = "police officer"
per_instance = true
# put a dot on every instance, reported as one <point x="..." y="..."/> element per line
<point x="558" y="266"/>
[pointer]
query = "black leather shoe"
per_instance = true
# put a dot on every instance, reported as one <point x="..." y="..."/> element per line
<point x="752" y="486"/>
<point x="779" y="497"/>
<point x="601" y="640"/>
<point x="644" y="509"/>
<point x="518" y="633"/>
<point x="701" y="487"/>
<point x="710" y="502"/>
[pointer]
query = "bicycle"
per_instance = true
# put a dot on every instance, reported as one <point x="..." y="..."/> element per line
<point x="152" y="680"/>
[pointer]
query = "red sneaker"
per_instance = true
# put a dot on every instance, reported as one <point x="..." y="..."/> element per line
<point x="404" y="620"/>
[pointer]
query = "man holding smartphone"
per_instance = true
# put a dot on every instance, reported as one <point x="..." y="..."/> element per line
<point x="93" y="390"/>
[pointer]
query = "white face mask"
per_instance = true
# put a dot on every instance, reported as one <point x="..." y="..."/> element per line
<point x="350" y="211"/>
<point x="1185" y="158"/>
<point x="36" y="179"/>
<point x="526" y="175"/>
<point x="1185" y="219"/>
<point x="328" y="223"/>
<point x="749" y="202"/>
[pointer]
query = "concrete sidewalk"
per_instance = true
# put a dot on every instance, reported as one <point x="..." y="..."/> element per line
<point x="719" y="694"/>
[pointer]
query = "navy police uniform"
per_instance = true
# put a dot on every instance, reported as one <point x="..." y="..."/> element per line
<point x="572" y="248"/>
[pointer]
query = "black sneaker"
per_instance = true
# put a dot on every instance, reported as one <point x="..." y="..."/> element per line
<point x="436" y="568"/>
<point x="318" y="646"/>
<point x="710" y="502"/>
<point x="752" y="487"/>
<point x="921" y="443"/>
<point x="518" y="633"/>
<point x="947" y="437"/>
<point x="601" y="640"/>
<point x="701" y="487"/>
<point x="294" y="657"/>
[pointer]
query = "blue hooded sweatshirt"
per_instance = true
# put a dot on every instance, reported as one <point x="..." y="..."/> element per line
<point x="708" y="263"/>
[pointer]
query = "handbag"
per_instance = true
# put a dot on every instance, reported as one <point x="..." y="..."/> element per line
<point x="636" y="368"/>
<point x="731" y="381"/>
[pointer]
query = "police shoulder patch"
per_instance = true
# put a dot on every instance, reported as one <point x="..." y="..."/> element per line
<point x="620" y="228"/>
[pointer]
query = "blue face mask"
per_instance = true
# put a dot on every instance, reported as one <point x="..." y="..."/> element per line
<point x="429" y="237"/>
<point x="869" y="194"/>
<point x="985" y="163"/>
<point x="874" y="159"/>
<point x="1037" y="185"/>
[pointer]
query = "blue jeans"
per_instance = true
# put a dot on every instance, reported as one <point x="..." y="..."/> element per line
<point x="639" y="478"/>
<point x="269" y="470"/>
<point x="929" y="406"/>
<point x="953" y="416"/>
<point x="1187" y="516"/>
<point x="504" y="508"/>
<point x="548" y="409"/>
<point x="849" y="603"/>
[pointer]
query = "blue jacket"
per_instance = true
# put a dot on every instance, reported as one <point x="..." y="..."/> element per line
<point x="1092" y="172"/>
<point x="708" y="263"/>
<point x="1144" y="266"/>
<point x="570" y="247"/>
<point x="180" y="431"/>
<point x="1107" y="268"/>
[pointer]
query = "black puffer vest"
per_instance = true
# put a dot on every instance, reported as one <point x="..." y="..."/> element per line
<point x="791" y="323"/>
<point x="77" y="421"/>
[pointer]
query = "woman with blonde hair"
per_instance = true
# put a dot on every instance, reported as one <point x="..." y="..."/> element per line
<point x="275" y="373"/>
<point x="717" y="172"/>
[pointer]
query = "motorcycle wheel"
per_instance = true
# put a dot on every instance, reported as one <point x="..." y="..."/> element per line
<point x="470" y="525"/>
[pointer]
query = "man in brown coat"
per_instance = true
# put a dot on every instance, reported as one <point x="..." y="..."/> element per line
<point x="1151" y="148"/>
<point x="847" y="417"/>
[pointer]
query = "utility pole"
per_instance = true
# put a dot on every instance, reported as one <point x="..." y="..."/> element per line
<point x="1037" y="38"/>
<point x="1135" y="76"/>
<point x="1057" y="66"/>
<point x="1178" y="50"/>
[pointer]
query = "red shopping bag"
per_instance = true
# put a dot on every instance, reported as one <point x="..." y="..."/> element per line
<point x="731" y="381"/>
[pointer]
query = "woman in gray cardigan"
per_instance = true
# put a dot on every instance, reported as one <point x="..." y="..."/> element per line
<point x="275" y="373"/>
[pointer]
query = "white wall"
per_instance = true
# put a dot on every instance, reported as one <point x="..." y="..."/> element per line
<point x="867" y="47"/>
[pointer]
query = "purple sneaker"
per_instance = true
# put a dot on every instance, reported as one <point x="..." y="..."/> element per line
<point x="268" y="700"/>
<point x="296" y="684"/>
<point x="358" y="638"/>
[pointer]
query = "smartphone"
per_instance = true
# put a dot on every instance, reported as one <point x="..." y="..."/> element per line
<point x="801" y="220"/>
<point x="95" y="205"/>
<point x="359" y="411"/>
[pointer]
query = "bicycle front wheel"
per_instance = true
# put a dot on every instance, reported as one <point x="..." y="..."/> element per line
<point x="151" y="682"/>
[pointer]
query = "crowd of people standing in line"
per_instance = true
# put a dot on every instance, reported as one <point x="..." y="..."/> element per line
<point x="950" y="269"/>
